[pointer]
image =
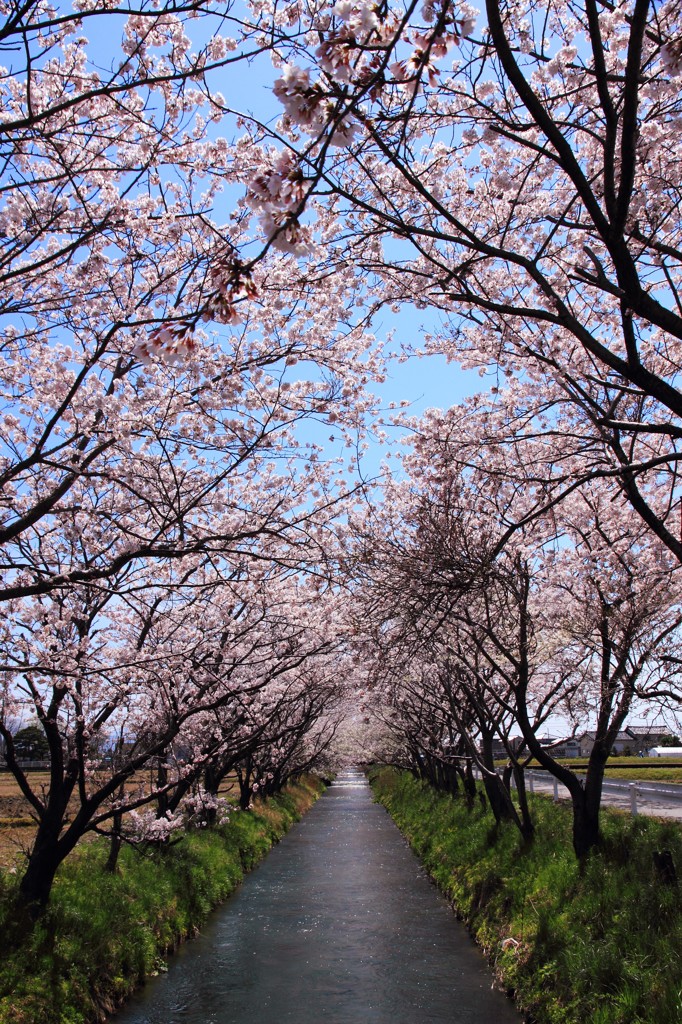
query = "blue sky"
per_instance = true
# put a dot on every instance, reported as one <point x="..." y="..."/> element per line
<point x="426" y="382"/>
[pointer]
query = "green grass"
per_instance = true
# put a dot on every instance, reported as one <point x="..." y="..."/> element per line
<point x="632" y="769"/>
<point x="599" y="947"/>
<point x="103" y="934"/>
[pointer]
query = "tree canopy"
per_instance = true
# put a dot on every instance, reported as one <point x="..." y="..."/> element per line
<point x="196" y="577"/>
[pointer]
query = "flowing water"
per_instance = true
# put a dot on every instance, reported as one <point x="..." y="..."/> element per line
<point x="339" y="925"/>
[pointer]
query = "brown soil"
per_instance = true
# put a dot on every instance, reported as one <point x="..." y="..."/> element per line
<point x="17" y="827"/>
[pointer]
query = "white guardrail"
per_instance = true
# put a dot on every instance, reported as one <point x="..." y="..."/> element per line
<point x="634" y="793"/>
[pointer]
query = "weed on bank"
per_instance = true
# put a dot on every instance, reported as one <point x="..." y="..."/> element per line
<point x="601" y="946"/>
<point x="103" y="934"/>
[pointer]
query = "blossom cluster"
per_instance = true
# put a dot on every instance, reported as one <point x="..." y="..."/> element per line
<point x="172" y="341"/>
<point x="276" y="191"/>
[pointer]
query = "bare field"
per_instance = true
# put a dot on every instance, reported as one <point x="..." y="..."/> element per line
<point x="17" y="827"/>
<point x="15" y="844"/>
<point x="638" y="769"/>
<point x="9" y="788"/>
<point x="632" y="769"/>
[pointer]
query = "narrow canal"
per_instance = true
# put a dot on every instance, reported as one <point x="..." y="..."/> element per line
<point x="338" y="925"/>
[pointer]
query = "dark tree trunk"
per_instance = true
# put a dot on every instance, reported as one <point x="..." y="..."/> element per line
<point x="586" y="834"/>
<point x="499" y="799"/>
<point x="162" y="800"/>
<point x="469" y="784"/>
<point x="45" y="858"/>
<point x="212" y="779"/>
<point x="586" y="799"/>
<point x="527" y="825"/>
<point x="244" y="780"/>
<point x="115" y="845"/>
<point x="587" y="804"/>
<point x="452" y="780"/>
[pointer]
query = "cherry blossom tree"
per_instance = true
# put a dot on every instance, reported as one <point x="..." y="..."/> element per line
<point x="515" y="170"/>
<point x="432" y="664"/>
<point x="295" y="734"/>
<point x="181" y="675"/>
<point x="577" y="615"/>
<point x="115" y="260"/>
<point x="160" y="498"/>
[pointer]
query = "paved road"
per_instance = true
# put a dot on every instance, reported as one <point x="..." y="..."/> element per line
<point x="657" y="799"/>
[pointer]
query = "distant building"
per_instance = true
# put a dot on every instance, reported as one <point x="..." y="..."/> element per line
<point x="675" y="752"/>
<point x="501" y="752"/>
<point x="634" y="739"/>
<point x="555" y="746"/>
<point x="646" y="735"/>
<point x="564" y="748"/>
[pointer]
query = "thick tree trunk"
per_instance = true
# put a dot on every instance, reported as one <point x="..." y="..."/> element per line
<point x="586" y="798"/>
<point x="452" y="780"/>
<point x="499" y="799"/>
<point x="111" y="865"/>
<point x="212" y="780"/>
<point x="469" y="783"/>
<point x="586" y="834"/>
<point x="527" y="825"/>
<point x="162" y="800"/>
<point x="115" y="845"/>
<point x="45" y="858"/>
<point x="587" y="804"/>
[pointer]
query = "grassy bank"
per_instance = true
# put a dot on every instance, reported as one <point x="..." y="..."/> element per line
<point x="631" y="769"/>
<point x="103" y="934"/>
<point x="601" y="947"/>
